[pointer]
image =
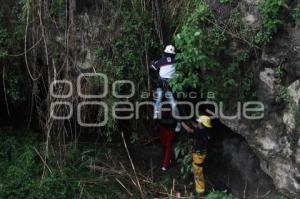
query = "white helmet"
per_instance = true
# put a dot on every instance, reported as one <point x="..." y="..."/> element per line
<point x="170" y="49"/>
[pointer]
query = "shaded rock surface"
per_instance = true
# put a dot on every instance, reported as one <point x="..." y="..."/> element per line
<point x="275" y="138"/>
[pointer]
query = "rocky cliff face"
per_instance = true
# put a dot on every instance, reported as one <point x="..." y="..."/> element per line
<point x="275" y="138"/>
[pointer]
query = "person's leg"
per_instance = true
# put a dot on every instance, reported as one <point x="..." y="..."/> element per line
<point x="158" y="94"/>
<point x="168" y="148"/>
<point x="171" y="99"/>
<point x="162" y="136"/>
<point x="163" y="139"/>
<point x="198" y="160"/>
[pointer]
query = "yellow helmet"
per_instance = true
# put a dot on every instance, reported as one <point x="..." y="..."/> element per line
<point x="205" y="120"/>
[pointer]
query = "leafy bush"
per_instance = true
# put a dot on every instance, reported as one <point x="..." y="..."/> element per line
<point x="23" y="175"/>
<point x="206" y="60"/>
<point x="15" y="91"/>
<point x="21" y="171"/>
<point x="279" y="196"/>
<point x="11" y="38"/>
<point x="123" y="59"/>
<point x="247" y="91"/>
<point x="218" y="195"/>
<point x="272" y="16"/>
<point x="201" y="59"/>
<point x="282" y="94"/>
<point x="57" y="10"/>
<point x="224" y="1"/>
<point x="296" y="14"/>
<point x="182" y="153"/>
<point x="3" y="38"/>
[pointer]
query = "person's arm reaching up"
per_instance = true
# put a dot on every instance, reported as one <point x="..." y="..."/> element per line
<point x="187" y="128"/>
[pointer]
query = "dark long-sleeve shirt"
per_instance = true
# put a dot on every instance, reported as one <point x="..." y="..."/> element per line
<point x="201" y="137"/>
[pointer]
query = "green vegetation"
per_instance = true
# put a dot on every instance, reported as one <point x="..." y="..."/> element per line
<point x="207" y="59"/>
<point x="282" y="94"/>
<point x="182" y="152"/>
<point x="4" y="36"/>
<point x="218" y="195"/>
<point x="122" y="59"/>
<point x="14" y="88"/>
<point x="296" y="14"/>
<point x="247" y="91"/>
<point x="272" y="16"/>
<point x="203" y="51"/>
<point x="10" y="41"/>
<point x="23" y="174"/>
<point x="57" y="9"/>
<point x="280" y="197"/>
<point x="225" y="1"/>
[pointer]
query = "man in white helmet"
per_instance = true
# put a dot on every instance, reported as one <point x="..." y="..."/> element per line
<point x="166" y="68"/>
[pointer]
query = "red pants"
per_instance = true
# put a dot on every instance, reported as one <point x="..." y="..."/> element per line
<point x="166" y="138"/>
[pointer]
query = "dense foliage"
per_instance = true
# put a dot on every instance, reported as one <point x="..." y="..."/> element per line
<point x="206" y="58"/>
<point x="126" y="57"/>
<point x="296" y="14"/>
<point x="218" y="195"/>
<point x="11" y="38"/>
<point x="272" y="12"/>
<point x="24" y="174"/>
